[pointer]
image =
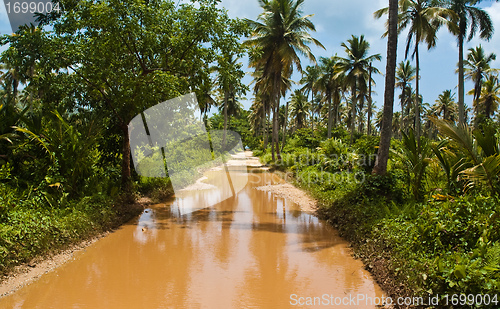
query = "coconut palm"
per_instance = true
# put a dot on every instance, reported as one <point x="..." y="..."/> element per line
<point x="445" y="105"/>
<point x="370" y="99"/>
<point x="330" y="82"/>
<point x="299" y="109"/>
<point x="405" y="74"/>
<point x="281" y="33"/>
<point x="490" y="97"/>
<point x="423" y="20"/>
<point x="355" y="67"/>
<point x="229" y="82"/>
<point x="365" y="95"/>
<point x="308" y="80"/>
<point x="468" y="22"/>
<point x="477" y="67"/>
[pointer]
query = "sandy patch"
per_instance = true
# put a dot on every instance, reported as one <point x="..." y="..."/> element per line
<point x="242" y="159"/>
<point x="294" y="194"/>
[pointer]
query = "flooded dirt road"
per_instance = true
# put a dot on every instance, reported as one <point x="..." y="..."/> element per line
<point x="252" y="250"/>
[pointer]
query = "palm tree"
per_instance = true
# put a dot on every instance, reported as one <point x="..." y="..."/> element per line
<point x="229" y="81"/>
<point x="370" y="99"/>
<point x="309" y="78"/>
<point x="469" y="20"/>
<point x="299" y="109"/>
<point x="445" y="105"/>
<point x="365" y="95"/>
<point x="490" y="96"/>
<point x="423" y="20"/>
<point x="281" y="33"/>
<point x="330" y="82"/>
<point x="380" y="167"/>
<point x="405" y="74"/>
<point x="477" y="67"/>
<point x="355" y="67"/>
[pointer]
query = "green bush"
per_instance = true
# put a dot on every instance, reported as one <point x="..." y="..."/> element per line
<point x="367" y="147"/>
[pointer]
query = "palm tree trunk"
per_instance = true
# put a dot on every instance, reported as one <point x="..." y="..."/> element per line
<point x="390" y="81"/>
<point x="370" y="103"/>
<point x="403" y="110"/>
<point x="417" y="97"/>
<point x="330" y="114"/>
<point x="361" y="107"/>
<point x="284" y="127"/>
<point x="353" y="110"/>
<point x="277" y="94"/>
<point x="336" y="105"/>
<point x="312" y="113"/>
<point x="461" y="92"/>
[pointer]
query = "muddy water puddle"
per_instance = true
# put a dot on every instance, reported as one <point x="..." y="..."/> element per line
<point x="251" y="250"/>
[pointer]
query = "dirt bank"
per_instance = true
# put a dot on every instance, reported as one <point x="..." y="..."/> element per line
<point x="294" y="194"/>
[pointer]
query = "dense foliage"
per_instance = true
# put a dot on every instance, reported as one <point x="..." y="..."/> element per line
<point x="68" y="92"/>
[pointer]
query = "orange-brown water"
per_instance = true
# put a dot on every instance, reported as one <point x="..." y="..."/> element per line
<point x="250" y="251"/>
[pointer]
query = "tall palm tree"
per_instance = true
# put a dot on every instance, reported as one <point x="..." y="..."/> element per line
<point x="467" y="22"/>
<point x="331" y="82"/>
<point x="477" y="67"/>
<point x="308" y="80"/>
<point x="490" y="96"/>
<point x="370" y="99"/>
<point x="299" y="109"/>
<point x="445" y="105"/>
<point x="380" y="167"/>
<point x="423" y="20"/>
<point x="229" y="81"/>
<point x="281" y="33"/>
<point x="355" y="67"/>
<point x="405" y="74"/>
<point x="365" y="95"/>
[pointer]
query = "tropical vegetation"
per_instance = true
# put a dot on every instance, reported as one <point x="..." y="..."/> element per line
<point x="416" y="190"/>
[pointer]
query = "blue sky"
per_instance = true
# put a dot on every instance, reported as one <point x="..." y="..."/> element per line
<point x="337" y="20"/>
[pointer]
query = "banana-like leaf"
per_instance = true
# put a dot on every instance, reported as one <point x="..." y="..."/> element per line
<point x="487" y="140"/>
<point x="487" y="172"/>
<point x="461" y="136"/>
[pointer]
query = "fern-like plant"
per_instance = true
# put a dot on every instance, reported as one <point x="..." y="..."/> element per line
<point x="480" y="150"/>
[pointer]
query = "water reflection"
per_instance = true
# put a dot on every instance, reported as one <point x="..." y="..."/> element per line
<point x="252" y="250"/>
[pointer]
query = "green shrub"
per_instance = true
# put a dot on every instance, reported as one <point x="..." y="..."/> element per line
<point x="366" y="147"/>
